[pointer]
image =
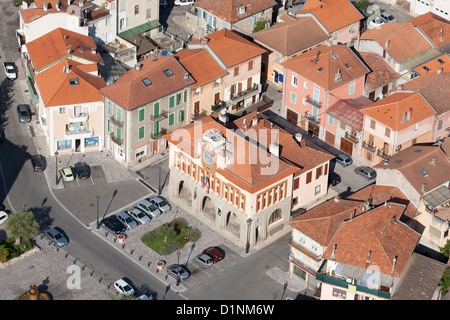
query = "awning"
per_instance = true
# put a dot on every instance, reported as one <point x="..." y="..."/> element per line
<point x="438" y="196"/>
<point x="147" y="26"/>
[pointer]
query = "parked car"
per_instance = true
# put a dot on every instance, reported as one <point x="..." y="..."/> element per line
<point x="344" y="159"/>
<point x="203" y="260"/>
<point x="82" y="170"/>
<point x="386" y="17"/>
<point x="122" y="286"/>
<point x="138" y="216"/>
<point x="149" y="208"/>
<point x="183" y="2"/>
<point x="178" y="271"/>
<point x="161" y="203"/>
<point x="56" y="237"/>
<point x="334" y="178"/>
<point x="67" y="173"/>
<point x="3" y="217"/>
<point x="216" y="253"/>
<point x="24" y="113"/>
<point x="163" y="3"/>
<point x="126" y="220"/>
<point x="366" y="172"/>
<point x="38" y="162"/>
<point x="113" y="225"/>
<point x="10" y="70"/>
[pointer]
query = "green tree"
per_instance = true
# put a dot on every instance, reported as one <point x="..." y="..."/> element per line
<point x="259" y="25"/>
<point x="18" y="3"/>
<point x="362" y="5"/>
<point x="445" y="281"/>
<point x="22" y="225"/>
<point x="445" y="250"/>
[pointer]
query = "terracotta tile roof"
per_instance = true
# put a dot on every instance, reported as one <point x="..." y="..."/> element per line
<point x="230" y="47"/>
<point x="419" y="157"/>
<point x="400" y="40"/>
<point x="331" y="60"/>
<point x="54" y="46"/>
<point x="248" y="170"/>
<point x="201" y="65"/>
<point x="431" y="25"/>
<point x="380" y="232"/>
<point x="31" y="14"/>
<point x="439" y="64"/>
<point x="56" y="88"/>
<point x="348" y="111"/>
<point x="391" y="110"/>
<point x="381" y="73"/>
<point x="130" y="92"/>
<point x="292" y="34"/>
<point x="228" y="9"/>
<point x="434" y="88"/>
<point x="334" y="14"/>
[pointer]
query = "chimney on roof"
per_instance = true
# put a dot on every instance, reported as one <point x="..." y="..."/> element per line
<point x="68" y="2"/>
<point x="223" y="116"/>
<point x="439" y="71"/>
<point x="186" y="77"/>
<point x="274" y="149"/>
<point x="241" y="10"/>
<point x="57" y="6"/>
<point x="441" y="39"/>
<point x="338" y="76"/>
<point x="44" y="4"/>
<point x="298" y="136"/>
<point x="333" y="255"/>
<point x="255" y="120"/>
<point x="68" y="48"/>
<point x="66" y="69"/>
<point x="337" y="199"/>
<point x="433" y="162"/>
<point x="244" y="123"/>
<point x="393" y="264"/>
<point x="204" y="40"/>
<point x="423" y="187"/>
<point x="94" y="51"/>
<point x="400" y="87"/>
<point x="386" y="44"/>
<point x="137" y="67"/>
<point x="368" y="257"/>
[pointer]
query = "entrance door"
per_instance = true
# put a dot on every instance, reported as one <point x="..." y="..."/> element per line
<point x="291" y="116"/>
<point x="77" y="145"/>
<point x="275" y="76"/>
<point x="239" y="88"/>
<point x="217" y="98"/>
<point x="313" y="129"/>
<point x="196" y="108"/>
<point x="346" y="146"/>
<point x="249" y="83"/>
<point x="329" y="138"/>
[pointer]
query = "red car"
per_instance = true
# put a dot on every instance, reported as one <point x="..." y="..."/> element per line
<point x="215" y="253"/>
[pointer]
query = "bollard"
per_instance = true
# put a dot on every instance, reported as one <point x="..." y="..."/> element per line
<point x="100" y="280"/>
<point x="75" y="261"/>
<point x="131" y="252"/>
<point x="83" y="267"/>
<point x="123" y="246"/>
<point x="67" y="254"/>
<point x="140" y="258"/>
<point x="92" y="273"/>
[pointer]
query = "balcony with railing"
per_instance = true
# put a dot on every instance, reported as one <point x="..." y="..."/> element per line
<point x="78" y="130"/>
<point x="160" y="116"/>
<point x="383" y="155"/>
<point x="115" y="139"/>
<point x="79" y="117"/>
<point x="198" y="115"/>
<point x="242" y="95"/>
<point x="115" y="121"/>
<point x="312" y="118"/>
<point x="351" y="136"/>
<point x="313" y="101"/>
<point x="221" y="105"/>
<point x="368" y="145"/>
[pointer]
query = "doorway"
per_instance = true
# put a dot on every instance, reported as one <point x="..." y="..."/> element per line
<point x="77" y="145"/>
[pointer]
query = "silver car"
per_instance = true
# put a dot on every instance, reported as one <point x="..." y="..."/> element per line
<point x="24" y="112"/>
<point x="161" y="203"/>
<point x="138" y="216"/>
<point x="204" y="260"/>
<point x="127" y="221"/>
<point x="178" y="271"/>
<point x="149" y="208"/>
<point x="56" y="237"/>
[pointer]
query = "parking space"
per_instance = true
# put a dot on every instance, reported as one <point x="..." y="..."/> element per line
<point x="97" y="176"/>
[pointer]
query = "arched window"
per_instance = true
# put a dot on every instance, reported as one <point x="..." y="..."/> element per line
<point x="276" y="215"/>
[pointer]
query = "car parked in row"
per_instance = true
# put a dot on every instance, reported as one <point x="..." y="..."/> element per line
<point x="24" y="113"/>
<point x="38" y="162"/>
<point x="343" y="159"/>
<point x="126" y="220"/>
<point x="334" y="178"/>
<point x="113" y="224"/>
<point x="149" y="208"/>
<point x="161" y="204"/>
<point x="184" y="2"/>
<point x="67" y="173"/>
<point x="387" y="17"/>
<point x="178" y="271"/>
<point x="216" y="253"/>
<point x="204" y="260"/>
<point x="138" y="216"/>
<point x="56" y="237"/>
<point x="366" y="172"/>
<point x="82" y="170"/>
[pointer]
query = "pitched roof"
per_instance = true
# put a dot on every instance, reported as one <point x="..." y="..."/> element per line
<point x="394" y="110"/>
<point x="230" y="47"/>
<point x="130" y="90"/>
<point x="201" y="65"/>
<point x="322" y="63"/>
<point x="432" y="158"/>
<point x="56" y="44"/>
<point x="292" y="34"/>
<point x="378" y="231"/>
<point x="334" y="14"/>
<point x="348" y="111"/>
<point x="78" y="85"/>
<point x="434" y="88"/>
<point x="436" y="29"/>
<point x="400" y="39"/>
<point x="248" y="169"/>
<point x="33" y="13"/>
<point x="438" y="64"/>
<point x="381" y="73"/>
<point x="228" y="10"/>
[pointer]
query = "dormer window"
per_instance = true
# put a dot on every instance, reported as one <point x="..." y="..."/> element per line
<point x="74" y="82"/>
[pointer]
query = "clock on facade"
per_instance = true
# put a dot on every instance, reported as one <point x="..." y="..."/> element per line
<point x="207" y="157"/>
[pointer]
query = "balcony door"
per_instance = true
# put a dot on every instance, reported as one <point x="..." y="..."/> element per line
<point x="77" y="111"/>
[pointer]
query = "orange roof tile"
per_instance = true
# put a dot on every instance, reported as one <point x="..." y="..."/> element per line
<point x="230" y="47"/>
<point x="381" y="73"/>
<point x="56" y="89"/>
<point x="55" y="45"/>
<point x="334" y="14"/>
<point x="435" y="65"/>
<point x="393" y="110"/>
<point x="200" y="64"/>
<point x="31" y="14"/>
<point x="131" y="92"/>
<point x="228" y="9"/>
<point x="331" y="60"/>
<point x="436" y="29"/>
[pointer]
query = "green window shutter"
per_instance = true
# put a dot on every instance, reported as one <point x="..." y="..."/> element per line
<point x="185" y="95"/>
<point x="119" y="134"/>
<point x="181" y="116"/>
<point x="109" y="126"/>
<point x="141" y="115"/>
<point x="119" y="115"/>
<point x="141" y="132"/>
<point x="335" y="35"/>
<point x="171" y="119"/>
<point x="155" y="128"/>
<point x="171" y="101"/>
<point x="178" y="98"/>
<point x="156" y="110"/>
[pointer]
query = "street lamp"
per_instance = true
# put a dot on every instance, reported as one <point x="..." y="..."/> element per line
<point x="178" y="256"/>
<point x="98" y="199"/>
<point x="249" y="223"/>
<point x="159" y="179"/>
<point x="56" y="166"/>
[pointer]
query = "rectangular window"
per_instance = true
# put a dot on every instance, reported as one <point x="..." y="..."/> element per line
<point x="351" y="28"/>
<point x="148" y="13"/>
<point x="110" y="108"/>
<point x="250" y="65"/>
<point x="305" y="84"/>
<point x="387" y="132"/>
<point x="236" y="71"/>
<point x="330" y="120"/>
<point x="156" y="109"/>
<point x="351" y="89"/>
<point x="62" y="110"/>
<point x="318" y="172"/>
<point x="180" y="115"/>
<point x="308" y="177"/>
<point x="136" y="9"/>
<point x="155" y="128"/>
<point x="171" y="119"/>
<point x="294" y="81"/>
<point x="141" y="132"/>
<point x="440" y="123"/>
<point x="253" y="20"/>
<point x="119" y="115"/>
<point x="372" y="124"/>
<point x="171" y="101"/>
<point x="335" y="35"/>
<point x="178" y="98"/>
<point x="185" y="95"/>
<point x="142" y="114"/>
<point x="296" y="183"/>
<point x="317" y="190"/>
<point x="293" y="98"/>
<point x="119" y="134"/>
<point x="122" y="6"/>
<point x="109" y="126"/>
